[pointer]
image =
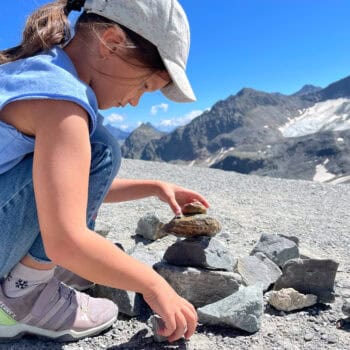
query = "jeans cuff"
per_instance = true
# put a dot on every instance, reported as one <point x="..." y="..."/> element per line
<point x="42" y="261"/>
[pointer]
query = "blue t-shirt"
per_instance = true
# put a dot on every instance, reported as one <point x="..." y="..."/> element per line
<point x="48" y="75"/>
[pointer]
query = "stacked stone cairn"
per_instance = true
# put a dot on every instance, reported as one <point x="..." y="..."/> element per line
<point x="226" y="290"/>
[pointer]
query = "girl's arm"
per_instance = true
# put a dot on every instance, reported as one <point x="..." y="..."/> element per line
<point x="60" y="176"/>
<point x="128" y="189"/>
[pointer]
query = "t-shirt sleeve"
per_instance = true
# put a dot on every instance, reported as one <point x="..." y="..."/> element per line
<point x="36" y="78"/>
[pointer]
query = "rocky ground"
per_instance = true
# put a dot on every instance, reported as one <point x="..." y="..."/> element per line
<point x="246" y="206"/>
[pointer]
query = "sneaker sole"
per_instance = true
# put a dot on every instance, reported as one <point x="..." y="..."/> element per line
<point x="17" y="331"/>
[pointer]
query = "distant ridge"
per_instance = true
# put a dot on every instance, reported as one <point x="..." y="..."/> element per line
<point x="135" y="143"/>
<point x="244" y="133"/>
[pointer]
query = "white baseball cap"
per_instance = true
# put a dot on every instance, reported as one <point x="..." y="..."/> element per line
<point x="163" y="23"/>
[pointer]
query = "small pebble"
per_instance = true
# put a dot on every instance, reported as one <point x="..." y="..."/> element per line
<point x="332" y="339"/>
<point x="308" y="336"/>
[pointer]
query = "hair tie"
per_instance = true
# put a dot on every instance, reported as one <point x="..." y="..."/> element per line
<point x="73" y="5"/>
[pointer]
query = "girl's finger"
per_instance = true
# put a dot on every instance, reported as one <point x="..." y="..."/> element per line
<point x="192" y="320"/>
<point x="181" y="327"/>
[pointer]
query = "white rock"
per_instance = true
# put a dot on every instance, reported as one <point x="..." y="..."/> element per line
<point x="288" y="299"/>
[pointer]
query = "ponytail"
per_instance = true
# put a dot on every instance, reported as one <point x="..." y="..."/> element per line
<point x="45" y="28"/>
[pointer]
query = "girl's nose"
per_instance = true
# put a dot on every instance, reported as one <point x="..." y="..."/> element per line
<point x="135" y="100"/>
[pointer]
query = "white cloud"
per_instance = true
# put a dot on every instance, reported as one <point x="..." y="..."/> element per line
<point x="175" y="122"/>
<point x="114" y="118"/>
<point x="156" y="108"/>
<point x="123" y="127"/>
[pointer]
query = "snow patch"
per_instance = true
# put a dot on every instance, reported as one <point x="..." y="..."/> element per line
<point x="340" y="180"/>
<point x="322" y="174"/>
<point x="327" y="115"/>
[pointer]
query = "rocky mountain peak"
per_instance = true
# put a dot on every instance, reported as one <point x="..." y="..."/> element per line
<point x="340" y="88"/>
<point x="307" y="89"/>
<point x="139" y="138"/>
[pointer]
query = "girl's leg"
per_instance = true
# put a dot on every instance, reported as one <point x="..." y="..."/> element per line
<point x="49" y="308"/>
<point x="19" y="227"/>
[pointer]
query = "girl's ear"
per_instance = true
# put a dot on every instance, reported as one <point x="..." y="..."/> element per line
<point x="109" y="41"/>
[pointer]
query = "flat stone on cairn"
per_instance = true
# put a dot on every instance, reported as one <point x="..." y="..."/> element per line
<point x="199" y="286"/>
<point x="201" y="251"/>
<point x="193" y="225"/>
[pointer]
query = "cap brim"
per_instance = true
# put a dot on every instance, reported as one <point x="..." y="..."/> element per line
<point x="179" y="90"/>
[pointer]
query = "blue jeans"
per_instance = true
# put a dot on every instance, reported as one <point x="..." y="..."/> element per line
<point x="19" y="226"/>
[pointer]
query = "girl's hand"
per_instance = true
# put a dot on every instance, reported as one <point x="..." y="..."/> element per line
<point x="179" y="316"/>
<point x="177" y="196"/>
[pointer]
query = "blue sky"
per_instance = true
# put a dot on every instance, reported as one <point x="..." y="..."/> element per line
<point x="268" y="45"/>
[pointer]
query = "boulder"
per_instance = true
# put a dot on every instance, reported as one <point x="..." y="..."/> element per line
<point x="202" y="251"/>
<point x="258" y="268"/>
<point x="129" y="303"/>
<point x="277" y="248"/>
<point x="199" y="286"/>
<point x="288" y="299"/>
<point x="195" y="225"/>
<point x="242" y="309"/>
<point x="310" y="276"/>
<point x="149" y="226"/>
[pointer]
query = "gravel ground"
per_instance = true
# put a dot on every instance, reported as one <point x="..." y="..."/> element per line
<point x="246" y="206"/>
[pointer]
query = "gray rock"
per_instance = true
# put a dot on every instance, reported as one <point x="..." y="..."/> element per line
<point x="242" y="310"/>
<point x="346" y="307"/>
<point x="202" y="251"/>
<point x="146" y="255"/>
<point x="199" y="286"/>
<point x="258" y="268"/>
<point x="278" y="248"/>
<point x="150" y="227"/>
<point x="156" y="324"/>
<point x="129" y="303"/>
<point x="288" y="299"/>
<point x="102" y="228"/>
<point x="310" y="276"/>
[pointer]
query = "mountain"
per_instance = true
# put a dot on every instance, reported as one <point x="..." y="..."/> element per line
<point x="248" y="118"/>
<point x="307" y="89"/>
<point x="135" y="143"/>
<point x="119" y="134"/>
<point x="323" y="157"/>
<point x="303" y="135"/>
<point x="340" y="88"/>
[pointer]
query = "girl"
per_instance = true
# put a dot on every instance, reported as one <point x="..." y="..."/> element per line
<point x="58" y="163"/>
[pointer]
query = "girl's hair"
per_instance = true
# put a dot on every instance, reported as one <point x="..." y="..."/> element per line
<point x="49" y="26"/>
